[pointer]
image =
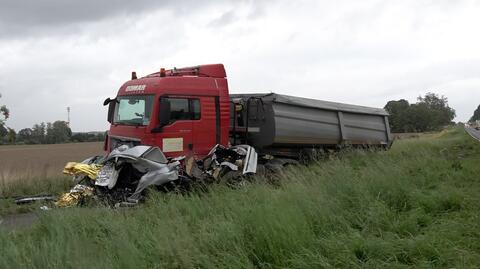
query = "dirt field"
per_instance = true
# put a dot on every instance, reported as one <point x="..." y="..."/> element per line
<point x="40" y="161"/>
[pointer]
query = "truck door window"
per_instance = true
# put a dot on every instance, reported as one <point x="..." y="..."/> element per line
<point x="178" y="109"/>
<point x="184" y="109"/>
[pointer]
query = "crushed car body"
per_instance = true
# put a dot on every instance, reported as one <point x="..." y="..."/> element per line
<point x="122" y="175"/>
<point x="126" y="172"/>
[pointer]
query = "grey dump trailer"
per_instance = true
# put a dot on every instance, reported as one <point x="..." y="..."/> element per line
<point x="285" y="125"/>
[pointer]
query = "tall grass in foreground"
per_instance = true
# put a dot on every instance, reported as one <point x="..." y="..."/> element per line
<point x="416" y="205"/>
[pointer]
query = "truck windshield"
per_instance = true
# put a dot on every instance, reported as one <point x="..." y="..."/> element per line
<point x="133" y="110"/>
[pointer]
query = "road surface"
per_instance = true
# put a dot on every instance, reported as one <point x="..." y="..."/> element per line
<point x="474" y="133"/>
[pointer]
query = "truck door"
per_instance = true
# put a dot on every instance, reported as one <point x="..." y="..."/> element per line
<point x="176" y="136"/>
<point x="205" y="127"/>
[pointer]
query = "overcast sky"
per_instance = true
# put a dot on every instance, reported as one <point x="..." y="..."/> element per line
<point x="59" y="53"/>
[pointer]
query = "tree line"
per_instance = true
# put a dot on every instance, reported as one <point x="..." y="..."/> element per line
<point x="47" y="133"/>
<point x="430" y="113"/>
<point x="43" y="133"/>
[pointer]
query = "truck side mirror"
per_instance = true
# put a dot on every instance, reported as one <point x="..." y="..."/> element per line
<point x="111" y="108"/>
<point x="164" y="116"/>
<point x="107" y="101"/>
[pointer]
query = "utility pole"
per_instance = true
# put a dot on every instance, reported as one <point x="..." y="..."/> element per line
<point x="68" y="116"/>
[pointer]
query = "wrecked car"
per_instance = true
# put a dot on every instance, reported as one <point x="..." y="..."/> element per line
<point x="122" y="176"/>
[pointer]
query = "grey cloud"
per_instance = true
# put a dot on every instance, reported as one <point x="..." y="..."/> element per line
<point x="51" y="12"/>
<point x="256" y="9"/>
<point x="24" y="17"/>
<point x="224" y="20"/>
<point x="257" y="12"/>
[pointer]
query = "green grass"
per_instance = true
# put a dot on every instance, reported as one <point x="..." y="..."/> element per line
<point x="33" y="186"/>
<point x="417" y="205"/>
<point x="30" y="186"/>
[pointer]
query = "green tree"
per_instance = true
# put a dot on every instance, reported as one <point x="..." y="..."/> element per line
<point x="25" y="136"/>
<point x="4" y="113"/>
<point x="3" y="131"/>
<point x="11" y="136"/>
<point x="397" y="111"/>
<point x="418" y="118"/>
<point x="430" y="113"/>
<point x="49" y="137"/>
<point x="88" y="137"/>
<point x="440" y="113"/>
<point x="3" y="135"/>
<point x="58" y="132"/>
<point x="38" y="133"/>
<point x="476" y="114"/>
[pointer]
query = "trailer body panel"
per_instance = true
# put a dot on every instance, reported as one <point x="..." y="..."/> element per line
<point x="276" y="120"/>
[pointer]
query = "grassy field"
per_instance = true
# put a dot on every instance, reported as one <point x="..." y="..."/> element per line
<point x="38" y="168"/>
<point x="415" y="206"/>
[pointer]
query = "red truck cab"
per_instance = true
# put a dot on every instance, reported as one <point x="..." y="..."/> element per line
<point x="183" y="111"/>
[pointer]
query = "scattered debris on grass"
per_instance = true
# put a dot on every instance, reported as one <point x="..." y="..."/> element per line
<point x="35" y="198"/>
<point x="75" y="197"/>
<point x="89" y="170"/>
<point x="121" y="178"/>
